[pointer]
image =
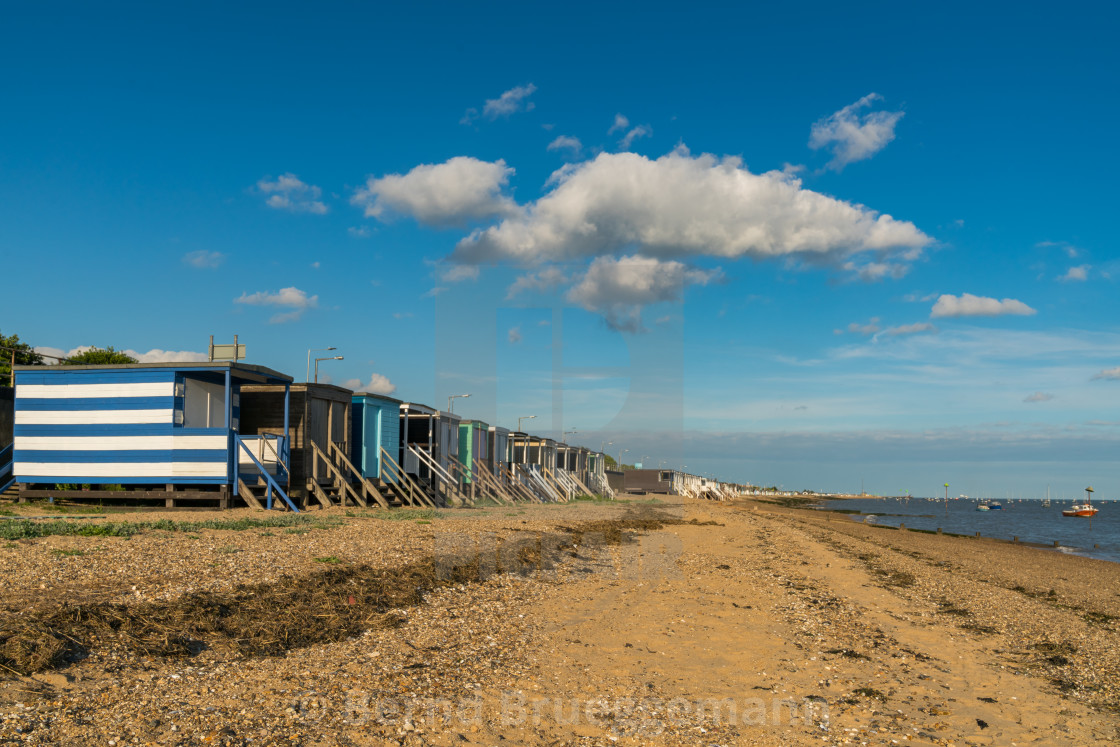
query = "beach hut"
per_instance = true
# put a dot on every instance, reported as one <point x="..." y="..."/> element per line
<point x="474" y="445"/>
<point x="498" y="459"/>
<point x="147" y="430"/>
<point x="429" y="442"/>
<point x="376" y="430"/>
<point x="7" y="430"/>
<point x="320" y="433"/>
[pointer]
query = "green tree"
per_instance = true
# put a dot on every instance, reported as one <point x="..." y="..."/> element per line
<point x="25" y="356"/>
<point x="609" y="461"/>
<point x="99" y="357"/>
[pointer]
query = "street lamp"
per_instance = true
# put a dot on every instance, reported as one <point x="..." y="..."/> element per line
<point x="620" y="453"/>
<point x="603" y="446"/>
<point x="309" y="352"/>
<point x="450" y="401"/>
<point x="335" y="358"/>
<point x="564" y="435"/>
<point x="527" y="417"/>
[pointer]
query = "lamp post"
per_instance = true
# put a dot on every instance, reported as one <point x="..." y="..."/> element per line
<point x="526" y="417"/>
<point x="620" y="453"/>
<point x="564" y="435"/>
<point x="309" y="352"/>
<point x="946" y="499"/>
<point x="335" y="358"/>
<point x="451" y="400"/>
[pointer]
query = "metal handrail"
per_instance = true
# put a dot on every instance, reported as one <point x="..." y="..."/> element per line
<point x="272" y="484"/>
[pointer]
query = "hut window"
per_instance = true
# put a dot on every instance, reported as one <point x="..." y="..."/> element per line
<point x="204" y="404"/>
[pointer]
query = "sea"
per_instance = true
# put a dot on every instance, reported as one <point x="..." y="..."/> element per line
<point x="1028" y="520"/>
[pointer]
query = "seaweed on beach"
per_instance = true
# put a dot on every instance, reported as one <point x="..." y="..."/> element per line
<point x="270" y="619"/>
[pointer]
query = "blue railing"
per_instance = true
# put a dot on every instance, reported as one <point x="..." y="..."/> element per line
<point x="270" y="481"/>
<point x="7" y="463"/>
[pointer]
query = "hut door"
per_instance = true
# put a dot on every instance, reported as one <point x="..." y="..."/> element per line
<point x="338" y="426"/>
<point x="318" y="416"/>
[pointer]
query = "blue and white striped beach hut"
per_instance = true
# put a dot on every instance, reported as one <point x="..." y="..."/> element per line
<point x="162" y="425"/>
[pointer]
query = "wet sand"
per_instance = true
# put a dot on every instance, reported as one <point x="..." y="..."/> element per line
<point x="753" y="625"/>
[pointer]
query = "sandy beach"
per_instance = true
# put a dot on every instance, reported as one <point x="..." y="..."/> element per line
<point x="634" y="622"/>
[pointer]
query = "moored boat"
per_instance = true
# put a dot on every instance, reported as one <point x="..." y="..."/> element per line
<point x="1082" y="509"/>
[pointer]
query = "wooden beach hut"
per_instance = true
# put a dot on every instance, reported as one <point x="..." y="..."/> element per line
<point x="429" y="443"/>
<point x="499" y="451"/>
<point x="376" y="430"/>
<point x="474" y="445"/>
<point x="320" y="432"/>
<point x="158" y="430"/>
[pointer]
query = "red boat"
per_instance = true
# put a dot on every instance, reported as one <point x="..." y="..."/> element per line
<point x="1082" y="509"/>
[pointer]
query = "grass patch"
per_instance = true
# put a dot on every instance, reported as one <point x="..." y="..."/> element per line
<point x="1099" y="618"/>
<point x="229" y="549"/>
<point x="27" y="528"/>
<point x="408" y="514"/>
<point x="66" y="553"/>
<point x="10" y="545"/>
<point x="328" y="559"/>
<point x="423" y="521"/>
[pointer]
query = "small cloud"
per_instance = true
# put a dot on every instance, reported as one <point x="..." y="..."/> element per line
<point x="570" y="144"/>
<point x="543" y="323"/>
<point x="294" y="299"/>
<point x="919" y="298"/>
<point x="638" y="132"/>
<point x="1076" y="274"/>
<point x="457" y="191"/>
<point x="288" y="192"/>
<point x="910" y="329"/>
<point x="203" y="259"/>
<point x="1038" y="397"/>
<point x="359" y="232"/>
<point x="865" y="329"/>
<point x="872" y="272"/>
<point x="948" y="306"/>
<point x="448" y="273"/>
<point x="959" y="223"/>
<point x="663" y="320"/>
<point x="792" y="169"/>
<point x="402" y="314"/>
<point x="514" y="335"/>
<point x="1070" y="250"/>
<point x="542" y="281"/>
<point x="377" y="384"/>
<point x="620" y="124"/>
<point x="851" y="136"/>
<point x="510" y="102"/>
<point x="1109" y="373"/>
<point x="315" y="265"/>
<point x="433" y="292"/>
<point x="155" y="355"/>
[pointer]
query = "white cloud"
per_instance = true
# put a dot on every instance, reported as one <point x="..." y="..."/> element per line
<point x="359" y="232"/>
<point x="1038" y="397"/>
<point x="681" y="206"/>
<point x="402" y="314"/>
<point x="634" y="134"/>
<point x="909" y="329"/>
<point x="510" y="102"/>
<point x="1079" y="273"/>
<point x="155" y="355"/>
<point x="289" y="193"/>
<point x="570" y="144"/>
<point x="851" y="136"/>
<point x="514" y="335"/>
<point x="865" y="329"/>
<point x="203" y="259"/>
<point x="292" y="298"/>
<point x="619" y="288"/>
<point x="620" y="123"/>
<point x="443" y="194"/>
<point x="449" y="273"/>
<point x="1108" y="373"/>
<point x="377" y="384"/>
<point x="873" y="272"/>
<point x="545" y="280"/>
<point x="970" y="305"/>
<point x="433" y="292"/>
<point x="919" y="298"/>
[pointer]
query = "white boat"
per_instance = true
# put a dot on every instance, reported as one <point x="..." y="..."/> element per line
<point x="1083" y="509"/>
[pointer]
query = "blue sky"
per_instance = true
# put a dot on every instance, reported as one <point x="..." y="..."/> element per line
<point x="808" y="246"/>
